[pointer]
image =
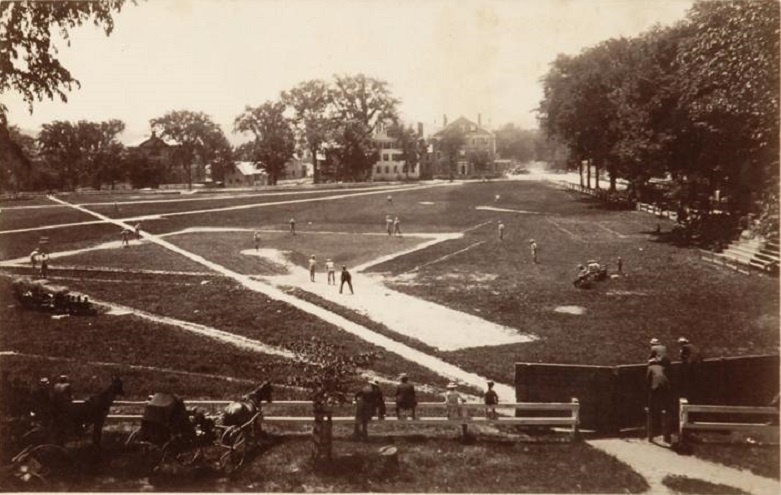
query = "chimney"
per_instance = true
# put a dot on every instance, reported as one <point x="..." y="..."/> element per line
<point x="480" y="119"/>
<point x="444" y="120"/>
<point x="420" y="129"/>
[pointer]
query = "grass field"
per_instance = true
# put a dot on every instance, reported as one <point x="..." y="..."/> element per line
<point x="664" y="292"/>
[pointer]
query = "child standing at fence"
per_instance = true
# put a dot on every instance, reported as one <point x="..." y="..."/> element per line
<point x="491" y="400"/>
<point x="453" y="401"/>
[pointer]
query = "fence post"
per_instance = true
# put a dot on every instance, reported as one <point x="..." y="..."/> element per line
<point x="683" y="417"/>
<point x="575" y="418"/>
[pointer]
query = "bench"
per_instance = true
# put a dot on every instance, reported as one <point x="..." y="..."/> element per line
<point x="762" y="414"/>
<point x="549" y="414"/>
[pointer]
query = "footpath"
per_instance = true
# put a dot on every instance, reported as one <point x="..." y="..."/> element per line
<point x="655" y="462"/>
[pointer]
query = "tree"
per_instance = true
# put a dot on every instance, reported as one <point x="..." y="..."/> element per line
<point x="450" y="143"/>
<point x="310" y="101"/>
<point x="17" y="151"/>
<point x="199" y="139"/>
<point x="729" y="76"/>
<point x="83" y="153"/>
<point x="409" y="142"/>
<point x="274" y="141"/>
<point x="360" y="105"/>
<point x="516" y="143"/>
<point x="28" y="59"/>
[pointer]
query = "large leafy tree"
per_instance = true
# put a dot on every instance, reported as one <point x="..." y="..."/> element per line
<point x="729" y="76"/>
<point x="17" y="151"/>
<point x="449" y="143"/>
<point x="360" y="105"/>
<point x="274" y="139"/>
<point x="410" y="143"/>
<point x="514" y="142"/>
<point x="310" y="101"/>
<point x="200" y="141"/>
<point x="83" y="153"/>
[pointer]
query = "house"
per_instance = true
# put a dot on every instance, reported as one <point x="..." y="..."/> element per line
<point x="161" y="153"/>
<point x="299" y="167"/>
<point x="245" y="174"/>
<point x="390" y="164"/>
<point x="476" y="157"/>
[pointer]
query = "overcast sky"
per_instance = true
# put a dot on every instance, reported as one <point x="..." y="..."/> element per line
<point x="440" y="57"/>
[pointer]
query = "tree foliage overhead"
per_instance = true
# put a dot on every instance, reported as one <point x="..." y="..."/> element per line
<point x="28" y="59"/>
<point x="200" y="140"/>
<point x="697" y="101"/>
<point x="274" y="141"/>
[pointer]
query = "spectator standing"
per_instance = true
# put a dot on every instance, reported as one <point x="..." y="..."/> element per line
<point x="659" y="351"/>
<point x="491" y="400"/>
<point x="659" y="399"/>
<point x="397" y="226"/>
<point x="34" y="258"/>
<point x="312" y="267"/>
<point x="256" y="239"/>
<point x="453" y="401"/>
<point x="329" y="267"/>
<point x="369" y="402"/>
<point x="501" y="231"/>
<point x="293" y="226"/>
<point x="346" y="279"/>
<point x="44" y="259"/>
<point x="691" y="358"/>
<point x="533" y="249"/>
<point x="406" y="401"/>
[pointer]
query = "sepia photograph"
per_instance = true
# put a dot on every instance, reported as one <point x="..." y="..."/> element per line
<point x="357" y="246"/>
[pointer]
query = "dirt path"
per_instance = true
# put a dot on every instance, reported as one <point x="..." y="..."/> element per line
<point x="654" y="462"/>
<point x="431" y="323"/>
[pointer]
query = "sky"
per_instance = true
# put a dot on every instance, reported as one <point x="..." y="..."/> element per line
<point x="439" y="57"/>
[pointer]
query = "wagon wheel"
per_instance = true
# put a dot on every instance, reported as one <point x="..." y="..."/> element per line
<point x="38" y="435"/>
<point x="36" y="462"/>
<point x="233" y="459"/>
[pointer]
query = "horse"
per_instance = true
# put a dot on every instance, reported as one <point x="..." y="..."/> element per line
<point x="239" y="412"/>
<point x="93" y="411"/>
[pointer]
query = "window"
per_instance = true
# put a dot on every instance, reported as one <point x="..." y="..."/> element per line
<point x="385" y="157"/>
<point x="379" y="169"/>
<point x="387" y="169"/>
<point x="395" y="169"/>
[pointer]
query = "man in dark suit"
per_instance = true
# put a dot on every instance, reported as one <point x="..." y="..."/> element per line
<point x="659" y="398"/>
<point x="369" y="401"/>
<point x="406" y="402"/>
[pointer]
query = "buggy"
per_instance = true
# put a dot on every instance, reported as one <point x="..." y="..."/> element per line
<point x="50" y="299"/>
<point x="170" y="433"/>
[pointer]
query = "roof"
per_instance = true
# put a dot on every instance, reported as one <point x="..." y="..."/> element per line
<point x="463" y="120"/>
<point x="248" y="168"/>
<point x="151" y="139"/>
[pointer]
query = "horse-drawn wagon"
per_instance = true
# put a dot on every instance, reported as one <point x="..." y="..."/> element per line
<point x="176" y="434"/>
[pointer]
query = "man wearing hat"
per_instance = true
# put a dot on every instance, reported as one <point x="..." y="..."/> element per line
<point x="533" y="249"/>
<point x="453" y="401"/>
<point x="690" y="359"/>
<point x="40" y="400"/>
<point x="659" y="398"/>
<point x="406" y="402"/>
<point x="659" y="352"/>
<point x="62" y="395"/>
<point x="368" y="402"/>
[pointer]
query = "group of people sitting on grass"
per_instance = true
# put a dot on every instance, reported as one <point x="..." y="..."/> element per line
<point x="593" y="271"/>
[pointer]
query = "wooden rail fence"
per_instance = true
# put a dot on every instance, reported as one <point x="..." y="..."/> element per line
<point x="564" y="415"/>
<point x="761" y="418"/>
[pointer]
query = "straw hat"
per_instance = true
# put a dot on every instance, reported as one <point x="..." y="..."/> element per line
<point x="452" y="385"/>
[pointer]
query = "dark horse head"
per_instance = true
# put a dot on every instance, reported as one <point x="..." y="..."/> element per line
<point x="239" y="412"/>
<point x="92" y="411"/>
